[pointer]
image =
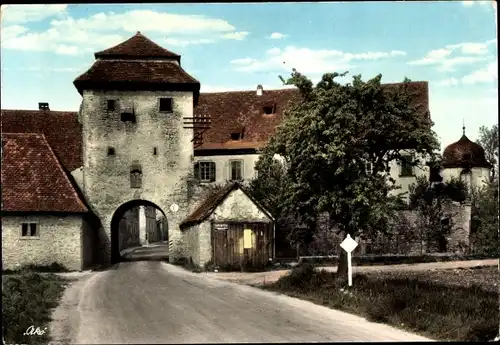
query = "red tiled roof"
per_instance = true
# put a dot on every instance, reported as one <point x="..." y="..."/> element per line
<point x="236" y="109"/>
<point x="464" y="154"/>
<point x="137" y="47"/>
<point x="61" y="128"/>
<point x="214" y="199"/>
<point x="33" y="180"/>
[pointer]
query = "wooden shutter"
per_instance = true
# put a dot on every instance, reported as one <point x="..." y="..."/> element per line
<point x="197" y="170"/>
<point x="212" y="171"/>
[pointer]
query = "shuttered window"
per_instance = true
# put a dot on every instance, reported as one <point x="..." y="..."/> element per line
<point x="205" y="171"/>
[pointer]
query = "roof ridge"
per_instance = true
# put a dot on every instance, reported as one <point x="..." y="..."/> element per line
<point x="38" y="110"/>
<point x="61" y="169"/>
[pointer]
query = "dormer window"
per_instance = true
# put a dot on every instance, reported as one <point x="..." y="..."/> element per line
<point x="166" y="105"/>
<point x="236" y="136"/>
<point x="269" y="110"/>
<point x="111" y="151"/>
<point x="111" y="105"/>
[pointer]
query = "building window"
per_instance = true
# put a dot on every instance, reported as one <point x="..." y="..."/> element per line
<point x="111" y="151"/>
<point x="269" y="110"/>
<point x="29" y="230"/>
<point x="235" y="136"/>
<point x="236" y="170"/>
<point x="135" y="176"/>
<point x="111" y="105"/>
<point x="205" y="171"/>
<point x="166" y="104"/>
<point x="127" y="117"/>
<point x="155" y="151"/>
<point x="406" y="166"/>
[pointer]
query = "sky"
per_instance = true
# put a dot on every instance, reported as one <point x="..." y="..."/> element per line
<point x="236" y="46"/>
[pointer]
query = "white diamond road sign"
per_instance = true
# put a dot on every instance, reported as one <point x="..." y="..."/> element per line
<point x="349" y="244"/>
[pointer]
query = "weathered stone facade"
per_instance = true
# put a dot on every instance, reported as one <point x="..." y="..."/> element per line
<point x="61" y="239"/>
<point x="106" y="179"/>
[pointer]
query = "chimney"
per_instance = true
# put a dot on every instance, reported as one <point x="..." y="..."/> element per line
<point x="260" y="89"/>
<point x="43" y="106"/>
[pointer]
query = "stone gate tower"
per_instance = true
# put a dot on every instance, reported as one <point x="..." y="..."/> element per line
<point x="135" y="145"/>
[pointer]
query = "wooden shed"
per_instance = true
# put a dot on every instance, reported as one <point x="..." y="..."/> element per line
<point x="230" y="229"/>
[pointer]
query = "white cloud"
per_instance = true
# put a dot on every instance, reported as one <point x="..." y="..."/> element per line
<point x="239" y="35"/>
<point x="243" y="61"/>
<point x="486" y="74"/>
<point x="30" y="13"/>
<point x="277" y="36"/>
<point x="489" y="73"/>
<point x="187" y="42"/>
<point x="273" y="51"/>
<point x="450" y="82"/>
<point x="476" y="2"/>
<point x="147" y="21"/>
<point x="103" y="30"/>
<point x="308" y="60"/>
<point x="447" y="58"/>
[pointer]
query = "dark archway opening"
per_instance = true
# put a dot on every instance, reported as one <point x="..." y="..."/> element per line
<point x="134" y="224"/>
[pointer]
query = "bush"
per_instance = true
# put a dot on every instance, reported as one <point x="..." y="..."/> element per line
<point x="28" y="299"/>
<point x="52" y="268"/>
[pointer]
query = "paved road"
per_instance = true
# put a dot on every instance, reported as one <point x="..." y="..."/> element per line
<point x="154" y="302"/>
<point x="156" y="251"/>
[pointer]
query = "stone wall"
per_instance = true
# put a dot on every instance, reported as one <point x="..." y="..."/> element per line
<point x="404" y="238"/>
<point x="59" y="240"/>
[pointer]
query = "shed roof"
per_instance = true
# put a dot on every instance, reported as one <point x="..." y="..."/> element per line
<point x="33" y="180"/>
<point x="208" y="206"/>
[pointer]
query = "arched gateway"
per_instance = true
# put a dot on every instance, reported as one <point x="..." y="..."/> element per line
<point x="125" y="227"/>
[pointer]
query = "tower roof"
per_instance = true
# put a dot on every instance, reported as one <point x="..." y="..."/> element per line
<point x="137" y="64"/>
<point x="464" y="153"/>
<point x="137" y="47"/>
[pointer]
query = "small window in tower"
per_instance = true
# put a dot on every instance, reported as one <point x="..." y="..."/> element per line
<point x="127" y="117"/>
<point x="135" y="176"/>
<point x="166" y="104"/>
<point x="269" y="110"/>
<point x="155" y="151"/>
<point x="235" y="136"/>
<point x="111" y="105"/>
<point x="111" y="151"/>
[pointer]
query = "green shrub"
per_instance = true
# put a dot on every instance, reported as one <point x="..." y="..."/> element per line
<point x="27" y="300"/>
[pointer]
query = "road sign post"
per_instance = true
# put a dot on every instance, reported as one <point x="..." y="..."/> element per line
<point x="348" y="244"/>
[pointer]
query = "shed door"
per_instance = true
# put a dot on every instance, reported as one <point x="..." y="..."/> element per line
<point x="219" y="242"/>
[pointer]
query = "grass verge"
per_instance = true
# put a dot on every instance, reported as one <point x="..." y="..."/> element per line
<point x="27" y="300"/>
<point x="432" y="309"/>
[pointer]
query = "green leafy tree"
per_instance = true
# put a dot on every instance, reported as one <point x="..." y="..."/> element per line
<point x="484" y="227"/>
<point x="488" y="139"/>
<point x="326" y="141"/>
